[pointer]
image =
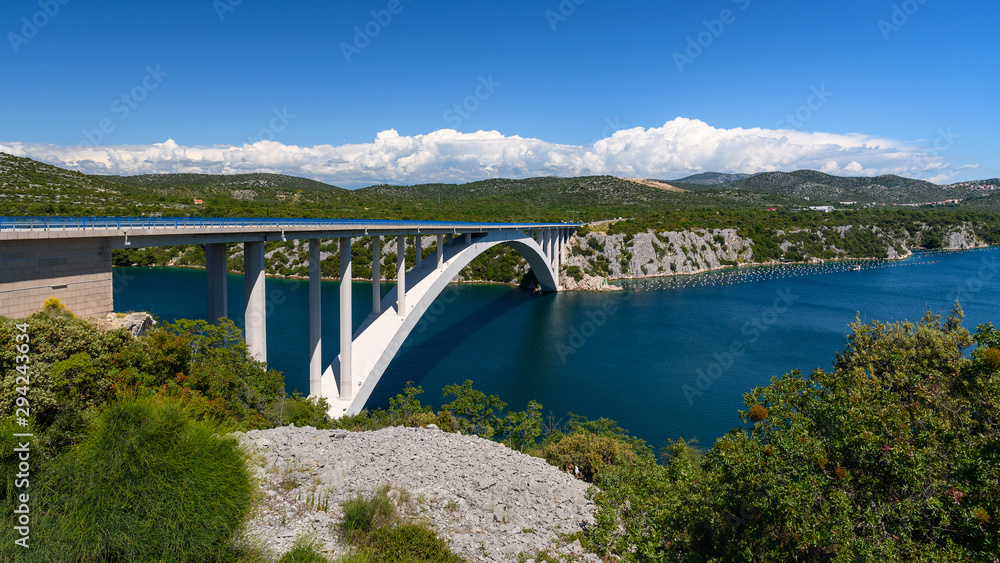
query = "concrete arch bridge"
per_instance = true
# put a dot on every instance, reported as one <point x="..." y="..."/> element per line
<point x="70" y="258"/>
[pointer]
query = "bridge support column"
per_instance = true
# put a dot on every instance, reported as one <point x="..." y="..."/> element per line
<point x="215" y="261"/>
<point x="255" y="310"/>
<point x="547" y="247"/>
<point x="346" y="324"/>
<point x="315" y="321"/>
<point x="440" y="252"/>
<point x="418" y="251"/>
<point x="557" y="254"/>
<point x="538" y="236"/>
<point x="401" y="275"/>
<point x="468" y="238"/>
<point x="377" y="275"/>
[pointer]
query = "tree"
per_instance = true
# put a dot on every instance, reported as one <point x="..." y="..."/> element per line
<point x="894" y="455"/>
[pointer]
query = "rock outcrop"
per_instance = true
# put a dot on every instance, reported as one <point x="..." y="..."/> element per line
<point x="598" y="257"/>
<point x="136" y="323"/>
<point x="656" y="254"/>
<point x="490" y="502"/>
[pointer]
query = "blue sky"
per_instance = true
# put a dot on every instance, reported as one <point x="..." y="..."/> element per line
<point x="459" y="91"/>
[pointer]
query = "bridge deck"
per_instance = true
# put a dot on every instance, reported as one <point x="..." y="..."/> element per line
<point x="167" y="231"/>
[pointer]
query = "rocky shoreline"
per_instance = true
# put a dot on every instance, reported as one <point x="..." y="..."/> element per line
<point x="489" y="502"/>
<point x="602" y="258"/>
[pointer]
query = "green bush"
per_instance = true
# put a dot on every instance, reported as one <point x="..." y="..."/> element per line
<point x="894" y="455"/>
<point x="366" y="513"/>
<point x="574" y="272"/>
<point x="303" y="551"/>
<point x="147" y="484"/>
<point x="408" y="543"/>
<point x="300" y="411"/>
<point x="587" y="452"/>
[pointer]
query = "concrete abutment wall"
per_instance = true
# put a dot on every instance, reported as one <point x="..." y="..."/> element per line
<point x="75" y="270"/>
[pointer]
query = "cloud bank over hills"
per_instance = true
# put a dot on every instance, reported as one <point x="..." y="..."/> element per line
<point x="679" y="148"/>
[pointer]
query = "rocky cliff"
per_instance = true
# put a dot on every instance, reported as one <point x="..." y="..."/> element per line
<point x="595" y="257"/>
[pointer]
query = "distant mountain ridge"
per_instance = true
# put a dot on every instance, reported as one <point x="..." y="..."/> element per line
<point x="821" y="187"/>
<point x="32" y="187"/>
<point x="712" y="178"/>
<point x="263" y="180"/>
<point x="818" y="187"/>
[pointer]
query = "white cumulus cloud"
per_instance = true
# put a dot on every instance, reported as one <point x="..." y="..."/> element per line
<point x="678" y="148"/>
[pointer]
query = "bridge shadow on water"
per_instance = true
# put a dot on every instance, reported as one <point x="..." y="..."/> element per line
<point x="436" y="337"/>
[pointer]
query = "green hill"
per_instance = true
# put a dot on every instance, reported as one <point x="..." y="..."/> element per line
<point x="824" y="188"/>
<point x="259" y="180"/>
<point x="34" y="188"/>
<point x="712" y="178"/>
<point x="29" y="187"/>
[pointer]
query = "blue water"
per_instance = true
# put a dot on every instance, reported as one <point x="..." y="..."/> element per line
<point x="634" y="356"/>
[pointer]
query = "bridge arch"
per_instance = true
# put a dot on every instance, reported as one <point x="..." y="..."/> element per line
<point x="381" y="334"/>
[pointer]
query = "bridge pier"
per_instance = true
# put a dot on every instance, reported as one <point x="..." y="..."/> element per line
<point x="401" y="275"/>
<point x="418" y="251"/>
<point x="255" y="297"/>
<point x="370" y="348"/>
<point x="346" y="324"/>
<point x="556" y="241"/>
<point x="376" y="274"/>
<point x="218" y="297"/>
<point x="315" y="320"/>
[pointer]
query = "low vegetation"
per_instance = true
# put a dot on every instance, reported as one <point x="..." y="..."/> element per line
<point x="372" y="524"/>
<point x="891" y="455"/>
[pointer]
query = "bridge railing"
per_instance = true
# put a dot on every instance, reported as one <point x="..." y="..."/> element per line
<point x="62" y="223"/>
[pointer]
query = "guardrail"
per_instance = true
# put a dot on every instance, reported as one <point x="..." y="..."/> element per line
<point x="62" y="223"/>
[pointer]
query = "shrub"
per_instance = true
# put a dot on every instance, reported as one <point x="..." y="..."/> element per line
<point x="574" y="272"/>
<point x="365" y="513"/>
<point x="892" y="456"/>
<point x="588" y="452"/>
<point x="300" y="411"/>
<point x="303" y="551"/>
<point x="148" y="483"/>
<point x="409" y="543"/>
<point x="55" y="306"/>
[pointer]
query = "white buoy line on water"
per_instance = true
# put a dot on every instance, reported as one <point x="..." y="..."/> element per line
<point x="751" y="274"/>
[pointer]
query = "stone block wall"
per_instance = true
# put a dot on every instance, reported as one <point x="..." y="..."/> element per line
<point x="77" y="271"/>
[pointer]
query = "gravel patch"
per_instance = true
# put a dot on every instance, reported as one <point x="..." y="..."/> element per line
<point x="490" y="502"/>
